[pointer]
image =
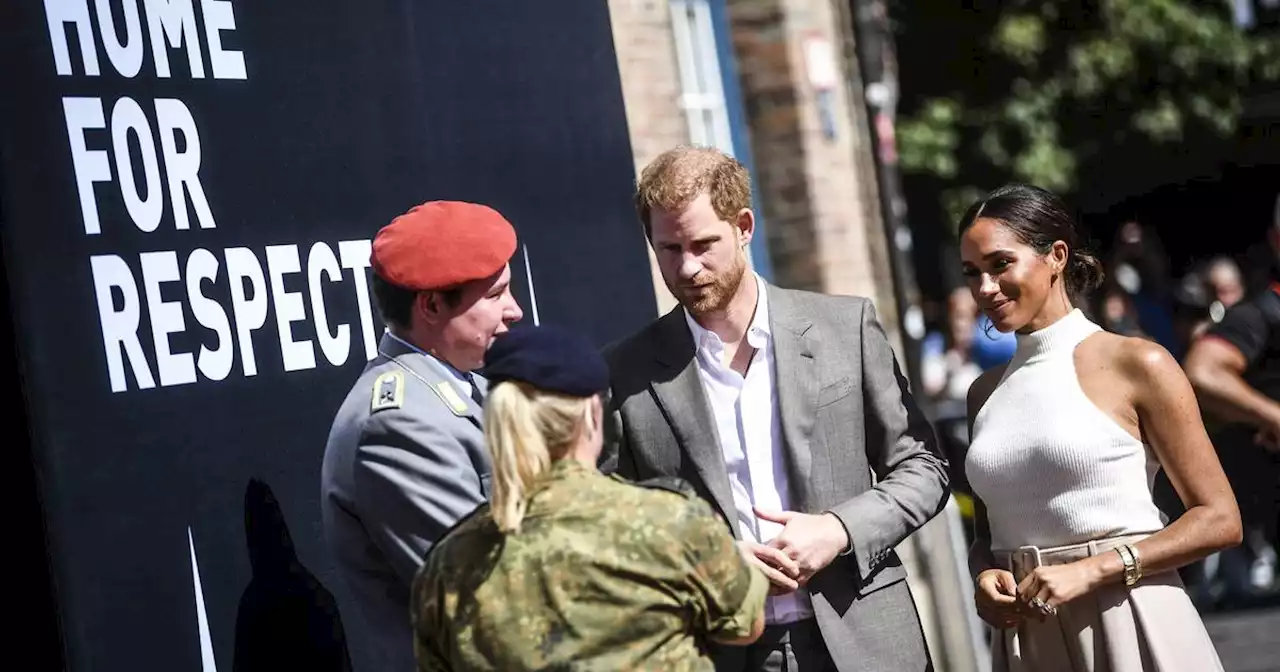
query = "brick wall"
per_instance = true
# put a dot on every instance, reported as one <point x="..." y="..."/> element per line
<point x="650" y="77"/>
<point x="818" y="193"/>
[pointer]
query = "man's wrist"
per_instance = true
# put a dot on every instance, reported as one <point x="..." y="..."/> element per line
<point x="840" y="535"/>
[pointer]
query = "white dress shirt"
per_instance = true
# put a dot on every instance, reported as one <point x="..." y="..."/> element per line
<point x="745" y="410"/>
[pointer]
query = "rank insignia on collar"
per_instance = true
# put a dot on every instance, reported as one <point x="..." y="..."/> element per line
<point x="449" y="395"/>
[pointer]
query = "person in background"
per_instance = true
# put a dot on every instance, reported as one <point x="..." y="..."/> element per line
<point x="1073" y="561"/>
<point x="1202" y="298"/>
<point x="947" y="366"/>
<point x="405" y="457"/>
<point x="1191" y="301"/>
<point x="1140" y="267"/>
<point x="1226" y="284"/>
<point x="1117" y="312"/>
<point x="1235" y="369"/>
<point x="947" y="369"/>
<point x="568" y="568"/>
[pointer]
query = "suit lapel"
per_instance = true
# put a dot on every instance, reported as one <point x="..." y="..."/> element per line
<point x="796" y="382"/>
<point x="678" y="391"/>
<point x="434" y="375"/>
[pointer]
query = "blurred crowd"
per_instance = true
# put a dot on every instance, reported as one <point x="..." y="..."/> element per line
<point x="1141" y="297"/>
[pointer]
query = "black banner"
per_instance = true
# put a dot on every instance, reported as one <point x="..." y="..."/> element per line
<point x="188" y="189"/>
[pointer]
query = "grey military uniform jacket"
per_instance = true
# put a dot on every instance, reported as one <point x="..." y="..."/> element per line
<point x="405" y="460"/>
<point x="856" y="445"/>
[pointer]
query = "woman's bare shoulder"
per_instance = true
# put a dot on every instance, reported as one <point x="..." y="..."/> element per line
<point x="1141" y="362"/>
<point x="1133" y="356"/>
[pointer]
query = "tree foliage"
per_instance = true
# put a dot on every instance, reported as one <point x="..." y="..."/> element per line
<point x="1068" y="95"/>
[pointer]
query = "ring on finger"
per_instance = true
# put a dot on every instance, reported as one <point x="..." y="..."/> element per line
<point x="1043" y="607"/>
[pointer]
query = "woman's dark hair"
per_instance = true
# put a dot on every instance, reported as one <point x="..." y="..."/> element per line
<point x="1039" y="219"/>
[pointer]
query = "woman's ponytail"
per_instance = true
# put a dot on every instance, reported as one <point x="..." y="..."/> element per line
<point x="526" y="429"/>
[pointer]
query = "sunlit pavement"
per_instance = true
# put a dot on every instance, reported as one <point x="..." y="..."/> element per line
<point x="1247" y="641"/>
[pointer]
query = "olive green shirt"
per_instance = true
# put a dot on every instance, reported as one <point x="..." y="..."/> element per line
<point x="603" y="575"/>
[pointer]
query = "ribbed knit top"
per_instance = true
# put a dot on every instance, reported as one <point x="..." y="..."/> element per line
<point x="1051" y="467"/>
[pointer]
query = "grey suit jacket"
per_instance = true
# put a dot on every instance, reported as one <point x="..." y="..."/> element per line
<point x="405" y="460"/>
<point x="845" y="413"/>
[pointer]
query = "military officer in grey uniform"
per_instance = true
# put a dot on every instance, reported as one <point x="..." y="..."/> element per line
<point x="406" y="457"/>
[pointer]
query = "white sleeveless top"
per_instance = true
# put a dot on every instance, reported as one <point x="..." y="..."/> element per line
<point x="1051" y="467"/>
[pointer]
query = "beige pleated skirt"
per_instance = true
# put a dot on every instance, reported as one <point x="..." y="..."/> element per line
<point x="1150" y="627"/>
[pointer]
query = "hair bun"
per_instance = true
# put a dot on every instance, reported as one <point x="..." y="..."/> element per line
<point x="1084" y="273"/>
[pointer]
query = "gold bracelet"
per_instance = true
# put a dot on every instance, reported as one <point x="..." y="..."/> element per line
<point x="1131" y="571"/>
<point x="1137" y="563"/>
<point x="1127" y="560"/>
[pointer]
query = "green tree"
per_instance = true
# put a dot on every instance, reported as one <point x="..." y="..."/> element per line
<point x="1068" y="95"/>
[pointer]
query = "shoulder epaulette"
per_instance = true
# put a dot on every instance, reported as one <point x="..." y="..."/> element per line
<point x="388" y="391"/>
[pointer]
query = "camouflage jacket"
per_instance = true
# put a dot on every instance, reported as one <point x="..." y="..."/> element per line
<point x="603" y="575"/>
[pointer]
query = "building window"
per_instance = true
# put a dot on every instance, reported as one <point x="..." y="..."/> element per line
<point x="701" y="86"/>
<point x="701" y="32"/>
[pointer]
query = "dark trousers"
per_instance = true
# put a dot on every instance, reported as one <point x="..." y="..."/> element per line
<point x="794" y="647"/>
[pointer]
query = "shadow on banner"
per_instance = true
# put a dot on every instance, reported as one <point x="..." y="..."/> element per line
<point x="286" y="618"/>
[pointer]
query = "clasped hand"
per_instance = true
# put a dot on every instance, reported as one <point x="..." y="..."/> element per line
<point x="1004" y="603"/>
<point x="996" y="598"/>
<point x="806" y="545"/>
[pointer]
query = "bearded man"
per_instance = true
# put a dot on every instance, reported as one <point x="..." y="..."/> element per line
<point x="777" y="406"/>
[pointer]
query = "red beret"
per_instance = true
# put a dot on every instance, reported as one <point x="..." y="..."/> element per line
<point x="441" y="244"/>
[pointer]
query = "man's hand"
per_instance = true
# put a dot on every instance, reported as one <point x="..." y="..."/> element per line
<point x="812" y="541"/>
<point x="777" y="567"/>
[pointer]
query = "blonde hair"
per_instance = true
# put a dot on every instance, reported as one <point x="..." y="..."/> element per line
<point x="527" y="429"/>
<point x="680" y="175"/>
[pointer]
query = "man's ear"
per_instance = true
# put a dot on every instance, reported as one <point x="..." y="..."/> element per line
<point x="745" y="224"/>
<point x="429" y="306"/>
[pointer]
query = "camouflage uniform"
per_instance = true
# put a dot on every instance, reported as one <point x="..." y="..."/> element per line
<point x="602" y="575"/>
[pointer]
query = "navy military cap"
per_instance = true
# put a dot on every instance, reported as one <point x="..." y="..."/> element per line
<point x="548" y="358"/>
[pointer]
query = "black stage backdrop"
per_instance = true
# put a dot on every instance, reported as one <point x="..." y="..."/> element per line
<point x="189" y="188"/>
